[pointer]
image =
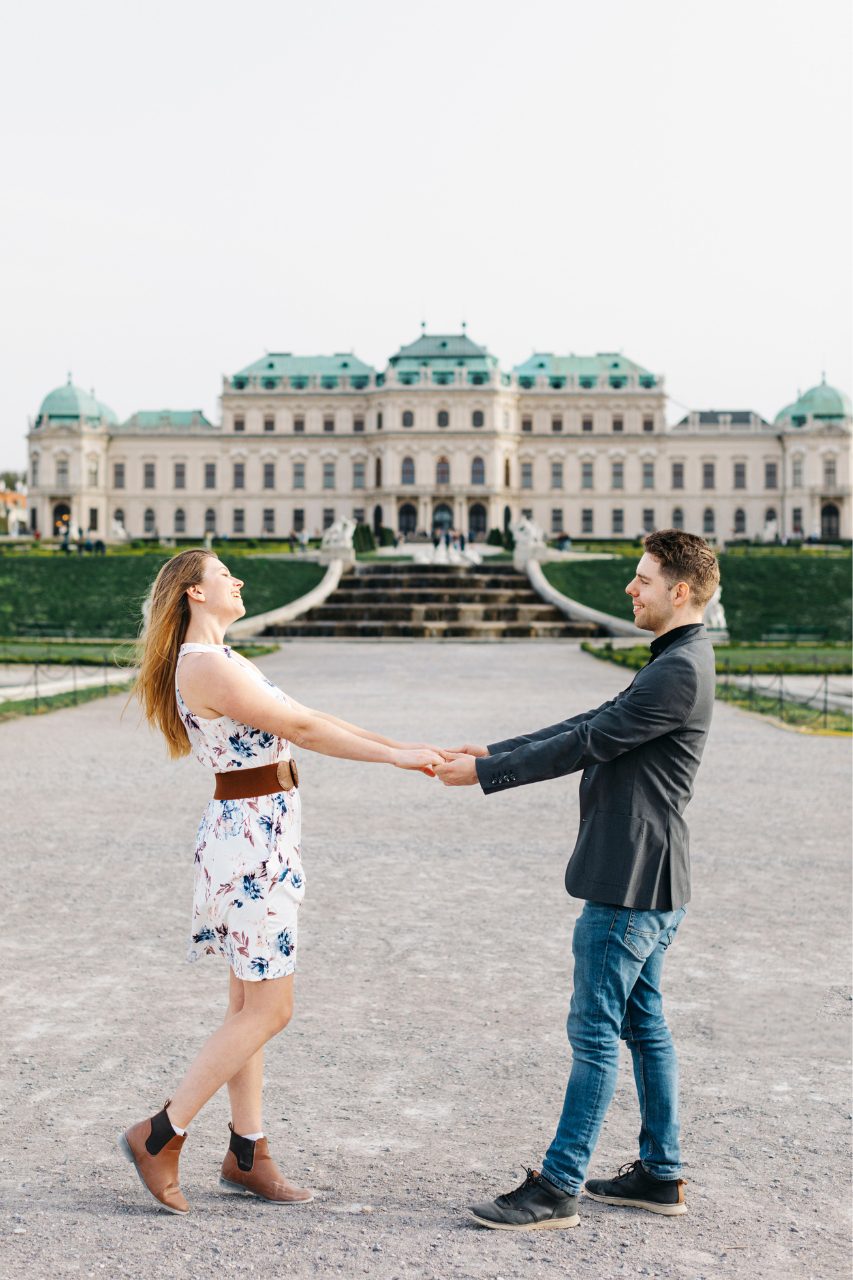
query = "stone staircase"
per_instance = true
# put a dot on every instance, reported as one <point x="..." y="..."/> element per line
<point x="476" y="602"/>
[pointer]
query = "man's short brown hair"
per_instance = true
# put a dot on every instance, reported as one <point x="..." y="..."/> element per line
<point x="685" y="557"/>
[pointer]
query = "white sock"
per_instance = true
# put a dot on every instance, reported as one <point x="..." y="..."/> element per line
<point x="180" y="1132"/>
<point x="250" y="1137"/>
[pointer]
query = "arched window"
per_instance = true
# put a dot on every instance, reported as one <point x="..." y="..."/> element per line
<point x="180" y="520"/>
<point x="148" y="523"/>
<point x="442" y="471"/>
<point x="507" y="477"/>
<point x="477" y="418"/>
<point x="407" y="475"/>
<point x="118" y="517"/>
<point x="477" y="521"/>
<point x="678" y="518"/>
<point x="740" y="520"/>
<point x="408" y="418"/>
<point x="34" y="470"/>
<point x="443" y="418"/>
<point x="378" y="472"/>
<point x="770" y="514"/>
<point x="210" y="520"/>
<point x="407" y="520"/>
<point x="708" y="520"/>
<point x="478" y="471"/>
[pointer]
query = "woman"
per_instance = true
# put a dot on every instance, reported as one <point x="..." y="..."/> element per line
<point x="249" y="881"/>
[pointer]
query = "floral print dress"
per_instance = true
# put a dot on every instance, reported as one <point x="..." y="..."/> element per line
<point x="249" y="880"/>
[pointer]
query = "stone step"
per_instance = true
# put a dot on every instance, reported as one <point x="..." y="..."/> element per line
<point x="374" y="600"/>
<point x="400" y="612"/>
<point x="378" y="628"/>
<point x="431" y="581"/>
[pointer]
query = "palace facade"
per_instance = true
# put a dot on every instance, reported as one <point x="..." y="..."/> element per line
<point x="442" y="437"/>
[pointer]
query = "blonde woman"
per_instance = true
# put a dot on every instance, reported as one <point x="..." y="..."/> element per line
<point x="249" y="881"/>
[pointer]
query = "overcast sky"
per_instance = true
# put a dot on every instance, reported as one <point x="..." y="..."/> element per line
<point x="188" y="185"/>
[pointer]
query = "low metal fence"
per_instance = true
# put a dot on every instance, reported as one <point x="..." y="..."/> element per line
<point x="41" y="683"/>
<point x="807" y="699"/>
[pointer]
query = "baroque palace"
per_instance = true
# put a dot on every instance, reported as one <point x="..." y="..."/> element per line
<point x="442" y="438"/>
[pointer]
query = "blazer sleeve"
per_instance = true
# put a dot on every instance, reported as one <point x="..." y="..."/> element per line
<point x="653" y="705"/>
<point x="541" y="735"/>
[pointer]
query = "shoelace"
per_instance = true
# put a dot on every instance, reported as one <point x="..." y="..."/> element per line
<point x="627" y="1170"/>
<point x="532" y="1176"/>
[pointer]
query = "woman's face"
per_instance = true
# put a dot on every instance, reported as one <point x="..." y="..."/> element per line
<point x="218" y="592"/>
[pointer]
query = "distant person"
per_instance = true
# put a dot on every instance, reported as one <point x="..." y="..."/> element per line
<point x="461" y="540"/>
<point x="639" y="754"/>
<point x="249" y="880"/>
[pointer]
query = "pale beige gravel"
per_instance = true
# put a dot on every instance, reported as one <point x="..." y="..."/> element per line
<point x="427" y="1058"/>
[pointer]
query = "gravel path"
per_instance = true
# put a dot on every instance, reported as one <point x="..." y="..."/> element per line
<point x="427" y="1059"/>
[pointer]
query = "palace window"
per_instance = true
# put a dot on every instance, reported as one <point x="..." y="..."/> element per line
<point x="358" y="515"/>
<point x="740" y="520"/>
<point x="298" y="519"/>
<point x="359" y="475"/>
<point x="648" y="520"/>
<point x="708" y="475"/>
<point x="238" y="523"/>
<point x="797" y="472"/>
<point x="358" y="425"/>
<point x="239" y="475"/>
<point x="268" y="521"/>
<point x="408" y="418"/>
<point x="328" y="425"/>
<point x="149" y="524"/>
<point x="377" y="471"/>
<point x="648" y="475"/>
<point x="678" y="475"/>
<point x="269" y="475"/>
<point x="771" y="475"/>
<point x="586" y="475"/>
<point x="148" y="475"/>
<point x="210" y="520"/>
<point x="617" y="520"/>
<point x="556" y="519"/>
<point x="328" y="475"/>
<point x="557" y="425"/>
<point x="618" y="424"/>
<point x="527" y="475"/>
<point x="587" y="520"/>
<point x="34" y="474"/>
<point x="556" y="475"/>
<point x="443" y="418"/>
<point x="118" y="516"/>
<point x="829" y="473"/>
<point x="442" y="471"/>
<point x="708" y="523"/>
<point x="210" y="475"/>
<point x="617" y="475"/>
<point x="299" y="475"/>
<point x="269" y="423"/>
<point x="180" y="476"/>
<point x="93" y="477"/>
<point x="740" y="475"/>
<point x="797" y="521"/>
<point x="586" y="423"/>
<point x="648" y="424"/>
<point x="299" y="426"/>
<point x="478" y="471"/>
<point x="239" y="424"/>
<point x="180" y="520"/>
<point x="328" y="517"/>
<point x="118" y="475"/>
<point x="407" y="471"/>
<point x="678" y="518"/>
<point x="93" y="519"/>
<point x="379" y="420"/>
<point x="527" y="425"/>
<point x="477" y="418"/>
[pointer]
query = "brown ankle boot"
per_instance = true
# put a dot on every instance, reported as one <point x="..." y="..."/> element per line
<point x="153" y="1148"/>
<point x="249" y="1167"/>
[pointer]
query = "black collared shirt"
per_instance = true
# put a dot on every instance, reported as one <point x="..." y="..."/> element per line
<point x="663" y="642"/>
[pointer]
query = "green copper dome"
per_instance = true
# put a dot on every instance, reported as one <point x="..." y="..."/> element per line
<point x="70" y="403"/>
<point x="823" y="402"/>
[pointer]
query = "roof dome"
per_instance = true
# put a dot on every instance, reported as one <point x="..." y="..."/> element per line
<point x="70" y="403"/>
<point x="822" y="401"/>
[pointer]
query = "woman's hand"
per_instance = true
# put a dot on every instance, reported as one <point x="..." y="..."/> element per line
<point x="423" y="759"/>
<point x="468" y="750"/>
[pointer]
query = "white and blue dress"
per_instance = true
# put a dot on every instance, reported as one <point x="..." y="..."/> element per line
<point x="249" y="880"/>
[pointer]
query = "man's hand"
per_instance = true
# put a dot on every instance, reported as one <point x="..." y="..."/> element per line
<point x="459" y="769"/>
<point x="469" y="750"/>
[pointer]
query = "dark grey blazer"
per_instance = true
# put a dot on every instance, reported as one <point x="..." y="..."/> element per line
<point x="639" y="754"/>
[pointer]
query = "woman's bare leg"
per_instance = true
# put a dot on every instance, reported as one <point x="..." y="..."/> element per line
<point x="245" y="1088"/>
<point x="266" y="1010"/>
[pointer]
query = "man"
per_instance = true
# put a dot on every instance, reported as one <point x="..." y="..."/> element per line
<point x="639" y="754"/>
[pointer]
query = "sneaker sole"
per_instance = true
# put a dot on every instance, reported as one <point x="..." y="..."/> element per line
<point x="550" y="1224"/>
<point x="668" y="1210"/>
<point x="124" y="1148"/>
<point x="238" y="1189"/>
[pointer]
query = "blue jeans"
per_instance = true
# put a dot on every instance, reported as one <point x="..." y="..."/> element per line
<point x="619" y="954"/>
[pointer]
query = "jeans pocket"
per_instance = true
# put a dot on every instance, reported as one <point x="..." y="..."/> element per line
<point x="642" y="933"/>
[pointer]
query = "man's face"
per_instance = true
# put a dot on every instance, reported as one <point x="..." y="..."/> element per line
<point x="652" y="598"/>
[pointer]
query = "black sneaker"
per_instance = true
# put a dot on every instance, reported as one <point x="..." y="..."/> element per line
<point x="636" y="1189"/>
<point x="536" y="1205"/>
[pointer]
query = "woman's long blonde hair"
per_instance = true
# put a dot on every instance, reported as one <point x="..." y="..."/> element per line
<point x="166" y="616"/>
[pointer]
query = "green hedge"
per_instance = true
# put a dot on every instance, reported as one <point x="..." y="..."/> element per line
<point x="739" y="660"/>
<point x="760" y="594"/>
<point x="103" y="595"/>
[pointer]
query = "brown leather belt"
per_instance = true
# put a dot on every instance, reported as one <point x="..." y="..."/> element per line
<point x="265" y="780"/>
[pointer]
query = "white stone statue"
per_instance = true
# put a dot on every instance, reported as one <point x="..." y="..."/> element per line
<point x="770" y="530"/>
<point x="118" y="531"/>
<point x="529" y="542"/>
<point x="715" y="617"/>
<point x="337" y="542"/>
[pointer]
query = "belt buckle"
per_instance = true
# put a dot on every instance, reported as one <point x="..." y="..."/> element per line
<point x="287" y="775"/>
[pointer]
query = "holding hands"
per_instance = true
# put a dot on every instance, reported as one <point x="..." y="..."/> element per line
<point x="455" y="766"/>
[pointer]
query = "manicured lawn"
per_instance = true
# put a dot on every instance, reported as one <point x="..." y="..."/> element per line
<point x="761" y="593"/>
<point x="103" y="595"/>
<point x="738" y="660"/>
<point x="82" y="654"/>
